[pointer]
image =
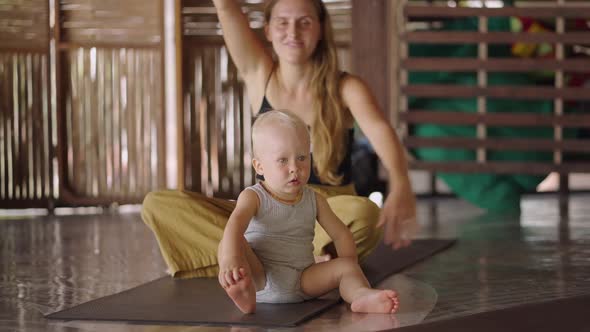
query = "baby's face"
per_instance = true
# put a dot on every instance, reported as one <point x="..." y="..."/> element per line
<point x="283" y="157"/>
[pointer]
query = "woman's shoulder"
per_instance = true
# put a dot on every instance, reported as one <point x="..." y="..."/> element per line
<point x="347" y="78"/>
<point x="350" y="81"/>
<point x="352" y="86"/>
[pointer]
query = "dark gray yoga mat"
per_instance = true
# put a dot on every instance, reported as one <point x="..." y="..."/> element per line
<point x="203" y="301"/>
<point x="569" y="314"/>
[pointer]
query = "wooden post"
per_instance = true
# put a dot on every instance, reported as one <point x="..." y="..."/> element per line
<point x="179" y="98"/>
<point x="370" y="49"/>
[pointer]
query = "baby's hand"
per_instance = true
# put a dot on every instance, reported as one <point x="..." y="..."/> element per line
<point x="322" y="258"/>
<point x="231" y="271"/>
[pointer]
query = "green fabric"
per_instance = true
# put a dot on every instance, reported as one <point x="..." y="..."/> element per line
<point x="494" y="192"/>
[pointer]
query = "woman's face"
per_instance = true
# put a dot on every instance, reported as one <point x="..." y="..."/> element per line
<point x="294" y="30"/>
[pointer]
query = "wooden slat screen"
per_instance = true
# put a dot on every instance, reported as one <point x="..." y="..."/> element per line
<point x="565" y="39"/>
<point x="113" y="116"/>
<point x="111" y="100"/>
<point x="217" y="116"/>
<point x="27" y="121"/>
<point x="26" y="130"/>
<point x="81" y="101"/>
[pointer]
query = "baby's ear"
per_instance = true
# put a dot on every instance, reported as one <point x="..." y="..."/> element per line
<point x="257" y="165"/>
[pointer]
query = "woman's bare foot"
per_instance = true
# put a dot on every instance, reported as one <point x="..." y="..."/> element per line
<point x="376" y="301"/>
<point x="243" y="293"/>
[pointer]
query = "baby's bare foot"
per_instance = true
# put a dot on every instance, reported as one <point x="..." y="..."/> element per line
<point x="376" y="301"/>
<point x="243" y="293"/>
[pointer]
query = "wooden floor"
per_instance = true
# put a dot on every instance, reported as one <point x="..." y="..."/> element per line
<point x="49" y="263"/>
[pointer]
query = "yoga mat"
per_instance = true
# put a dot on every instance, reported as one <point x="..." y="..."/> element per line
<point x="569" y="314"/>
<point x="202" y="301"/>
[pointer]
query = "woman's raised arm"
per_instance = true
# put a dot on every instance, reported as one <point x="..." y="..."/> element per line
<point x="246" y="49"/>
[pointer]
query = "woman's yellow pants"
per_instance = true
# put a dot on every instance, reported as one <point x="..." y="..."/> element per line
<point x="189" y="226"/>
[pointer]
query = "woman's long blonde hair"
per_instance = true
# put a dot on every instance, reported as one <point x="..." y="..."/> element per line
<point x="331" y="117"/>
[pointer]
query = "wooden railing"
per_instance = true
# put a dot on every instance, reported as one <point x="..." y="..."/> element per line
<point x="563" y="62"/>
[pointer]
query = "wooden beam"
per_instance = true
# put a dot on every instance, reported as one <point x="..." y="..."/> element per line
<point x="370" y="58"/>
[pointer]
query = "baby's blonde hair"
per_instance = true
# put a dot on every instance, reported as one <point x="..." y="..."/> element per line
<point x="274" y="118"/>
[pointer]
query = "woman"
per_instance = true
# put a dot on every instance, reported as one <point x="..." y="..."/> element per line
<point x="305" y="79"/>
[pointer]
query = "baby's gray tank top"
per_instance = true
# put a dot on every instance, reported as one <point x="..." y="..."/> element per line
<point x="283" y="234"/>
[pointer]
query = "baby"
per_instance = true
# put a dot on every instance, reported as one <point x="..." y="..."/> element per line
<point x="266" y="253"/>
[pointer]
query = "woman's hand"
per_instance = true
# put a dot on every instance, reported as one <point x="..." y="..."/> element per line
<point x="398" y="216"/>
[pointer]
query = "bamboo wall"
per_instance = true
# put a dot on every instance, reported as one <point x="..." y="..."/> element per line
<point x="27" y="120"/>
<point x="81" y="100"/>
